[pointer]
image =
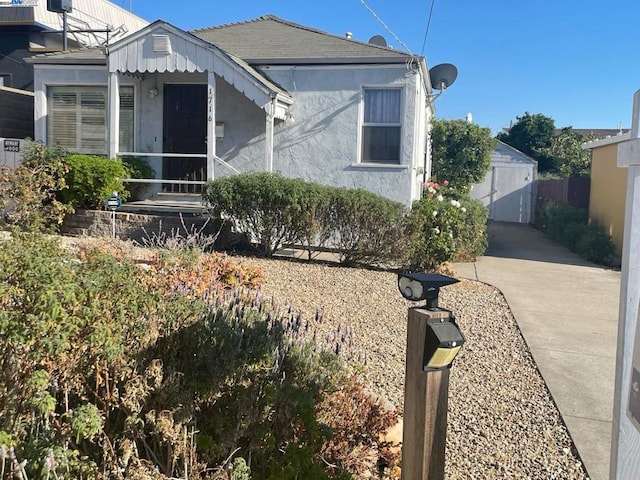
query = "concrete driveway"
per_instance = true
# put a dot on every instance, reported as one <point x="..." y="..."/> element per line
<point x="567" y="310"/>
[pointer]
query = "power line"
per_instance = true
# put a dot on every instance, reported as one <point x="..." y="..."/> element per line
<point x="375" y="15"/>
<point x="424" y="42"/>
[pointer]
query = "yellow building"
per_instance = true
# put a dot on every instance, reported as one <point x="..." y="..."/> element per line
<point x="608" y="187"/>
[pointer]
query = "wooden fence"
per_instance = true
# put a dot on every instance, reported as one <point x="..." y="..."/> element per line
<point x="572" y="190"/>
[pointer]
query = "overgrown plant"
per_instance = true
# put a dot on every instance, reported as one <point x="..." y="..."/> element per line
<point x="125" y="373"/>
<point x="30" y="193"/>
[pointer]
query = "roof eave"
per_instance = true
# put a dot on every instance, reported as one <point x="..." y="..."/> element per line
<point x="328" y="61"/>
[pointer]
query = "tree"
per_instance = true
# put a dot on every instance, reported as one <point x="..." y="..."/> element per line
<point x="531" y="134"/>
<point x="461" y="152"/>
<point x="566" y="155"/>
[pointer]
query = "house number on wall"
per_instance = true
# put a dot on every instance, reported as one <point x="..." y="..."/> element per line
<point x="12" y="145"/>
<point x="210" y="116"/>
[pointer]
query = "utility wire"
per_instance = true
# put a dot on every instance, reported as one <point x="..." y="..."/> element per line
<point x="426" y="32"/>
<point x="375" y="15"/>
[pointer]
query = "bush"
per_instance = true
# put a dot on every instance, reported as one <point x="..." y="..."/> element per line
<point x="91" y="180"/>
<point x="137" y="167"/>
<point x="595" y="244"/>
<point x="568" y="225"/>
<point x="368" y="227"/>
<point x="433" y="227"/>
<point x="264" y="206"/>
<point x="472" y="238"/>
<point x="29" y="193"/>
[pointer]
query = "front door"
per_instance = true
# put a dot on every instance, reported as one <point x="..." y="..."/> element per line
<point x="184" y="131"/>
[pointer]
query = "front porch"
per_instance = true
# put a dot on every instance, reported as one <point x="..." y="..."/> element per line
<point x="183" y="109"/>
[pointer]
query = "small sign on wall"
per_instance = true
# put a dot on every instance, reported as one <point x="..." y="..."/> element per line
<point x="11" y="145"/>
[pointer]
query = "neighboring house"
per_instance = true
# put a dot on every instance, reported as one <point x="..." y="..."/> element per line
<point x="27" y="28"/>
<point x="608" y="187"/>
<point x="508" y="188"/>
<point x="260" y="95"/>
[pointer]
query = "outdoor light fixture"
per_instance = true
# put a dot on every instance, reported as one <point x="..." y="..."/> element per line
<point x="442" y="343"/>
<point x="153" y="92"/>
<point x="443" y="338"/>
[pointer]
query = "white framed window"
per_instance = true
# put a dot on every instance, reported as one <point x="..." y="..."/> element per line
<point x="77" y="118"/>
<point x="382" y="125"/>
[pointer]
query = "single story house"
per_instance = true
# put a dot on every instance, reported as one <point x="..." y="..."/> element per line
<point x="261" y="95"/>
<point x="508" y="189"/>
<point x="608" y="186"/>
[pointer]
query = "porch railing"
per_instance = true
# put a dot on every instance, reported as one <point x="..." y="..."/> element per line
<point x="174" y="155"/>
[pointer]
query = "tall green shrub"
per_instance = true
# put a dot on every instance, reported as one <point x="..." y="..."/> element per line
<point x="91" y="180"/>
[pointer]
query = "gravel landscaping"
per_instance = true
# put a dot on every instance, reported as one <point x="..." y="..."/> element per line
<point x="503" y="422"/>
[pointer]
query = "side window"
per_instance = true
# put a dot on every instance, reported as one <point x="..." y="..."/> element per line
<point x="382" y="125"/>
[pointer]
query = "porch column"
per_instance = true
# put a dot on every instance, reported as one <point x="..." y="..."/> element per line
<point x="113" y="94"/>
<point x="270" y="110"/>
<point x="211" y="124"/>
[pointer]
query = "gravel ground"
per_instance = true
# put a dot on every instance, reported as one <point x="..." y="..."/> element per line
<point x="502" y="423"/>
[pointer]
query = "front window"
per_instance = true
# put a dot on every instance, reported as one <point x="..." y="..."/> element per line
<point x="382" y="125"/>
<point x="77" y="119"/>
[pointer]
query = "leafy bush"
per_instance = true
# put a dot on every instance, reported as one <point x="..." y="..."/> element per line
<point x="472" y="238"/>
<point x="113" y="371"/>
<point x="137" y="167"/>
<point x="433" y="227"/>
<point x="595" y="244"/>
<point x="568" y="225"/>
<point x="29" y="193"/>
<point x="262" y="205"/>
<point x="91" y="180"/>
<point x="368" y="227"/>
<point x="274" y="210"/>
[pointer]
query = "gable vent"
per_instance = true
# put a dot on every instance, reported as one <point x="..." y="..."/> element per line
<point x="162" y="44"/>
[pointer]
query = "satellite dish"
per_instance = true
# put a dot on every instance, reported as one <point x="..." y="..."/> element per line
<point x="378" y="40"/>
<point x="442" y="76"/>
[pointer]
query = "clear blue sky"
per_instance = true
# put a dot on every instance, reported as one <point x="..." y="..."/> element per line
<point x="572" y="60"/>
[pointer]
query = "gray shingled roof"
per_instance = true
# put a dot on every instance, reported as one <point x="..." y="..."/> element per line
<point x="272" y="40"/>
<point x="507" y="154"/>
<point x="82" y="56"/>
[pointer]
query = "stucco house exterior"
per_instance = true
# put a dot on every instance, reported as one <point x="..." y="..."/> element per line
<point x="260" y="95"/>
<point x="608" y="186"/>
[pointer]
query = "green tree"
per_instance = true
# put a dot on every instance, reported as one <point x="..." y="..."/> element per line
<point x="461" y="152"/>
<point x="566" y="155"/>
<point x="533" y="135"/>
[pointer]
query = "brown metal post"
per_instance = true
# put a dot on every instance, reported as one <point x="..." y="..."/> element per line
<point x="425" y="405"/>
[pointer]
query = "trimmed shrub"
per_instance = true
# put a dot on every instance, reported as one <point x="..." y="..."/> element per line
<point x="316" y="220"/>
<point x="368" y="227"/>
<point x="472" y="238"/>
<point x="91" y="180"/>
<point x="264" y="206"/>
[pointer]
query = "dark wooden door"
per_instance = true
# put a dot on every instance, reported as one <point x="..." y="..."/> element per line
<point x="184" y="131"/>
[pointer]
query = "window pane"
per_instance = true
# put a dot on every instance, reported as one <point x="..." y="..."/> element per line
<point x="77" y="118"/>
<point x="126" y="119"/>
<point x="382" y="105"/>
<point x="381" y="145"/>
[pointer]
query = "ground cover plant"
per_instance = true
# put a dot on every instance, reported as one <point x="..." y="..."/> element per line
<point x="178" y="369"/>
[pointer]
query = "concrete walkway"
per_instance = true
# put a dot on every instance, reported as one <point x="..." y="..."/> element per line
<point x="567" y="310"/>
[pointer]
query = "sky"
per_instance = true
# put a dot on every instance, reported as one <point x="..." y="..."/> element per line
<point x="572" y="60"/>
